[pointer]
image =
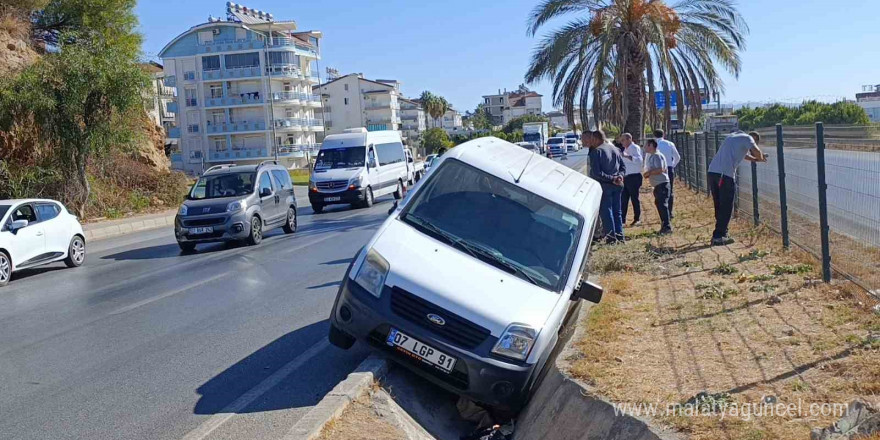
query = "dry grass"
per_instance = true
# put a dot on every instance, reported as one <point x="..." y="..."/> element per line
<point x="14" y="26"/>
<point x="750" y="320"/>
<point x="361" y="422"/>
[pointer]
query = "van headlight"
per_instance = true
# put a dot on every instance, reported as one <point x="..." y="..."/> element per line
<point x="372" y="273"/>
<point x="236" y="206"/>
<point x="182" y="211"/>
<point x="516" y="342"/>
<point x="357" y="181"/>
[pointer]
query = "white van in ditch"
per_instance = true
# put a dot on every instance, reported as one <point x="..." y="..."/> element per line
<point x="475" y="281"/>
<point x="357" y="166"/>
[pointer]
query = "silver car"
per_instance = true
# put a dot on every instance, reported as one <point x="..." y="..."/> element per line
<point x="236" y="203"/>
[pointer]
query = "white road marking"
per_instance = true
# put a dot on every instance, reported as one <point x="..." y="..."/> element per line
<point x="131" y="307"/>
<point x="207" y="427"/>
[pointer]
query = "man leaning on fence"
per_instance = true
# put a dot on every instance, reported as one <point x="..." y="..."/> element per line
<point x="607" y="168"/>
<point x="722" y="178"/>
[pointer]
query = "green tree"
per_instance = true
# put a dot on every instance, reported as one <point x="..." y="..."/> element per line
<point x="517" y="123"/>
<point x="480" y="118"/>
<point x="434" y="139"/>
<point x="112" y="21"/>
<point x="641" y="43"/>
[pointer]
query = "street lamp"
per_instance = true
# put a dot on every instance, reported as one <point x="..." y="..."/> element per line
<point x="269" y="78"/>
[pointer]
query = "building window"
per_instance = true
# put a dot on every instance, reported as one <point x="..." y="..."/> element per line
<point x="240" y="60"/>
<point x="346" y="87"/>
<point x="346" y="101"/>
<point x="219" y="145"/>
<point x="211" y="63"/>
<point x="216" y="91"/>
<point x="282" y="58"/>
<point x="240" y="34"/>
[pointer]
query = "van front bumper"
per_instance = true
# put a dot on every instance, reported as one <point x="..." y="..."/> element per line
<point x="477" y="374"/>
<point x="344" y="197"/>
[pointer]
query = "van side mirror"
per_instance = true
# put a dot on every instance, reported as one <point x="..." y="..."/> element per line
<point x="589" y="291"/>
<point x="18" y="224"/>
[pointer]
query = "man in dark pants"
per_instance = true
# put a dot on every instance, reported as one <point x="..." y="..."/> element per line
<point x="672" y="159"/>
<point x="632" y="181"/>
<point x="722" y="178"/>
<point x="656" y="171"/>
<point x="607" y="168"/>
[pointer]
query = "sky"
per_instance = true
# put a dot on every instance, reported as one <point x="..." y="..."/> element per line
<point x="463" y="49"/>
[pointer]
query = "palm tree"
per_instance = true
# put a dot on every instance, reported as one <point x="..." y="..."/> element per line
<point x="616" y="53"/>
<point x="435" y="106"/>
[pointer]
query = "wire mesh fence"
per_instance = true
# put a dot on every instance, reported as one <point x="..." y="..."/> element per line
<point x="847" y="159"/>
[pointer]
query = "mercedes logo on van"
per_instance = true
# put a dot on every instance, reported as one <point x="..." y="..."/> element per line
<point x="436" y="319"/>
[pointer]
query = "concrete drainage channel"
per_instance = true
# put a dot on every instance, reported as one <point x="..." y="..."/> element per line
<point x="562" y="408"/>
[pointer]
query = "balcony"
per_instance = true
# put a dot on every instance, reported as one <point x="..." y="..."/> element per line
<point x="171" y="81"/>
<point x="171" y="107"/>
<point x="191" y="102"/>
<point x="166" y="92"/>
<point x="235" y="73"/>
<point x="229" y="45"/>
<point x="253" y="98"/>
<point x="238" y="153"/>
<point x="300" y="124"/>
<point x="300" y="47"/>
<point x="409" y="118"/>
<point x="291" y="71"/>
<point x="385" y="106"/>
<point x="236" y="127"/>
<point x="294" y="97"/>
<point x="293" y="150"/>
<point x="383" y="121"/>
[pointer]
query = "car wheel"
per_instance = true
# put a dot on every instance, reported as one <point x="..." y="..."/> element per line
<point x="256" y="235"/>
<point x="398" y="193"/>
<point x="368" y="198"/>
<point x="76" y="252"/>
<point x="186" y="247"/>
<point x="5" y="269"/>
<point x="339" y="338"/>
<point x="318" y="208"/>
<point x="290" y="226"/>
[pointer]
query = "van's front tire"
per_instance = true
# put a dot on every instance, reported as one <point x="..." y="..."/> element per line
<point x="339" y="338"/>
<point x="398" y="193"/>
<point x="256" y="235"/>
<point x="368" y="198"/>
<point x="317" y="208"/>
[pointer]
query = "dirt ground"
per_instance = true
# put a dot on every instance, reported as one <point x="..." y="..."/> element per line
<point x="738" y="331"/>
<point x="361" y="421"/>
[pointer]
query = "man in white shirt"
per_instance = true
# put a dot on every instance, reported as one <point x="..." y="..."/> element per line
<point x="632" y="181"/>
<point x="672" y="159"/>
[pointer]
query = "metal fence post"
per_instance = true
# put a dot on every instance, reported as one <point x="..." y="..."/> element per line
<point x="755" y="211"/>
<point x="706" y="155"/>
<point x="783" y="198"/>
<point x="823" y="202"/>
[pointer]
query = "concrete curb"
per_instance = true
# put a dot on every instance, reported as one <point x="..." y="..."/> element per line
<point x="564" y="408"/>
<point x="115" y="228"/>
<point x="338" y="399"/>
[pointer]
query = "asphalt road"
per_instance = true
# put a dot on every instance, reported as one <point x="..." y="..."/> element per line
<point x="143" y="342"/>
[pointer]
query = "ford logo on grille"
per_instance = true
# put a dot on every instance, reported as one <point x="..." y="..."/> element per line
<point x="436" y="319"/>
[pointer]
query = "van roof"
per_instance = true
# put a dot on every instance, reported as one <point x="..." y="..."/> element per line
<point x="544" y="177"/>
<point x="345" y="140"/>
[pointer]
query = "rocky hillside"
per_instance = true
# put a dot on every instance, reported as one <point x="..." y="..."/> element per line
<point x="15" y="53"/>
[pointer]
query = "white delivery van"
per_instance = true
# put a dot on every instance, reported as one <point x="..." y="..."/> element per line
<point x="357" y="166"/>
<point x="476" y="280"/>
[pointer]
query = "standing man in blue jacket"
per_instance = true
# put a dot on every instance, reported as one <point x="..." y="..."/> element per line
<point x="608" y="168"/>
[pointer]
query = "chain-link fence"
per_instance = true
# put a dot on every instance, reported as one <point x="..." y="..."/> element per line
<point x="827" y="201"/>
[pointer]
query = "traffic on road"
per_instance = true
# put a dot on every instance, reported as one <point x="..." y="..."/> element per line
<point x="150" y="339"/>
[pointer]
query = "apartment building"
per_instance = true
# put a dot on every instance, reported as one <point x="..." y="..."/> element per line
<point x="504" y="106"/>
<point x="353" y="101"/>
<point x="412" y="121"/>
<point x="450" y="121"/>
<point x="157" y="98"/>
<point x="243" y="90"/>
<point x="869" y="100"/>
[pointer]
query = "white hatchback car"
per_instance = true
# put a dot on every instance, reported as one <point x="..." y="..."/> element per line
<point x="475" y="281"/>
<point x="35" y="232"/>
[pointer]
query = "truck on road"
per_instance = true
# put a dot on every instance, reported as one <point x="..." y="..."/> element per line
<point x="537" y="133"/>
<point x="415" y="169"/>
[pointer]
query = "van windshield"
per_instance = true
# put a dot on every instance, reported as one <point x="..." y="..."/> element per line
<point x="497" y="222"/>
<point x="552" y="141"/>
<point x="223" y="185"/>
<point x="351" y="157"/>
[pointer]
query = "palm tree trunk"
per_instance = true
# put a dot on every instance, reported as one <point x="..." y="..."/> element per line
<point x="635" y="95"/>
